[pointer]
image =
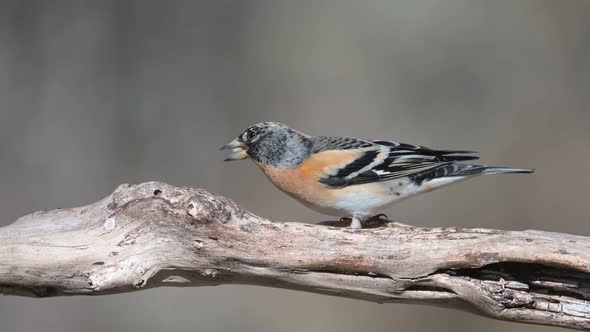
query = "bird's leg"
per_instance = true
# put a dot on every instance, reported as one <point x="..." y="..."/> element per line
<point x="357" y="221"/>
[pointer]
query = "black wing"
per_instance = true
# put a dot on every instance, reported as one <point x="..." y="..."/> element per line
<point x="385" y="160"/>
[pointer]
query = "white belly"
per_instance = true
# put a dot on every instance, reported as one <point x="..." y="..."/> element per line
<point x="364" y="200"/>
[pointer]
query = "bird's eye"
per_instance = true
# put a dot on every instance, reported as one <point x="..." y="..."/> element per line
<point x="251" y="134"/>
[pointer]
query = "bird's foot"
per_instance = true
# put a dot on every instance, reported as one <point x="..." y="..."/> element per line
<point x="343" y="222"/>
<point x="379" y="220"/>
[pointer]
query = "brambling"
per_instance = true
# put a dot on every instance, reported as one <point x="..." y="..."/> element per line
<point x="350" y="177"/>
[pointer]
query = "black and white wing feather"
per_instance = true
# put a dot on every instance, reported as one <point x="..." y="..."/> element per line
<point x="385" y="160"/>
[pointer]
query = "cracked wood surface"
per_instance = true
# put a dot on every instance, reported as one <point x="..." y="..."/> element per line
<point x="154" y="234"/>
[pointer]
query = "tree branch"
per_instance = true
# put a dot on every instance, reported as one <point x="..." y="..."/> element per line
<point x="154" y="234"/>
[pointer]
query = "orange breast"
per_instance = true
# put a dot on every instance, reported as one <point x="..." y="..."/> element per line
<point x="301" y="182"/>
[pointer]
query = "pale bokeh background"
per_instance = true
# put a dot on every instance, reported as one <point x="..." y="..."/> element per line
<point x="98" y="93"/>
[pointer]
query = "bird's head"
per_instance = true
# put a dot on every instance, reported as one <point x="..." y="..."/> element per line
<point x="270" y="143"/>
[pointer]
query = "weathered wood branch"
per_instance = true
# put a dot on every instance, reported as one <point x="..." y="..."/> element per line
<point x="154" y="234"/>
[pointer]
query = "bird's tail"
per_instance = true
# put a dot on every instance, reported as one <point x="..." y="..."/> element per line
<point x="468" y="170"/>
<point x="453" y="172"/>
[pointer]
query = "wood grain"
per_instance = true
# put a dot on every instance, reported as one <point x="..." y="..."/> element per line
<point x="153" y="235"/>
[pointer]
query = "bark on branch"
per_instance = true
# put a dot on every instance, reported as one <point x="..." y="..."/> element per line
<point x="154" y="234"/>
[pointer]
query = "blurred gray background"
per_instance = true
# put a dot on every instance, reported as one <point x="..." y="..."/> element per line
<point x="98" y="93"/>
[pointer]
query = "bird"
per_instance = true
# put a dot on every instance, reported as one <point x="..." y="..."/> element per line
<point x="352" y="178"/>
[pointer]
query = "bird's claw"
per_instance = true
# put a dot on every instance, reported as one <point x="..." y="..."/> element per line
<point x="377" y="221"/>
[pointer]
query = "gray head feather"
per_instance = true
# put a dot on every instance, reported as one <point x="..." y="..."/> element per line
<point x="277" y="145"/>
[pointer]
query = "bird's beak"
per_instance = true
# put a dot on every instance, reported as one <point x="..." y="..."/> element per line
<point x="238" y="148"/>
